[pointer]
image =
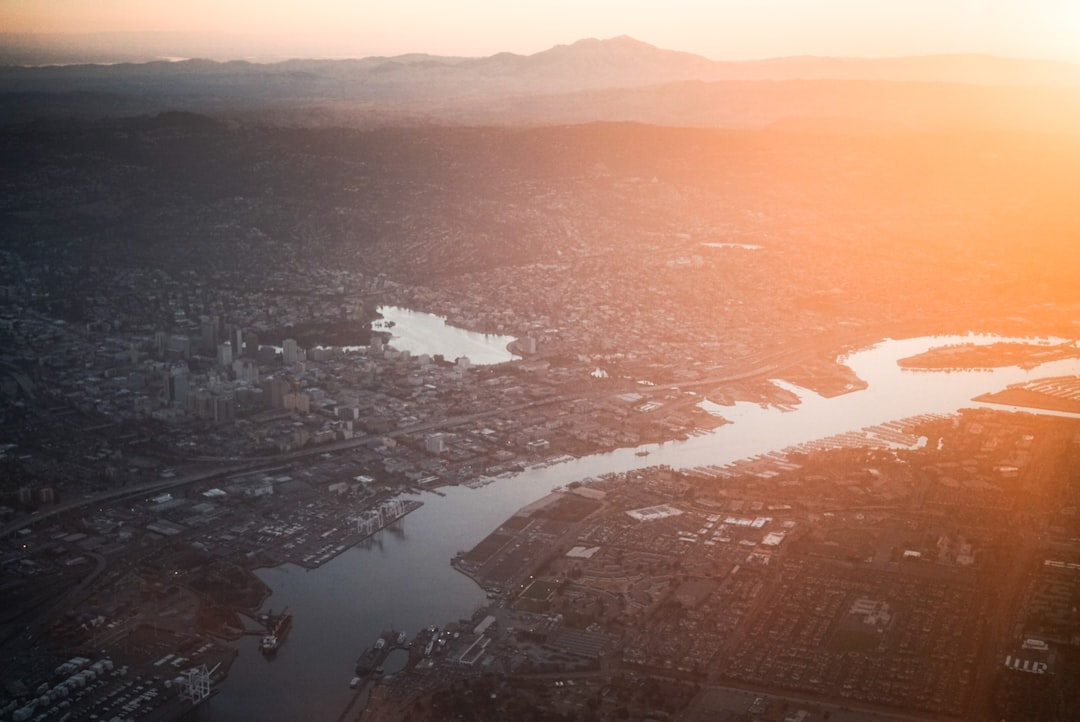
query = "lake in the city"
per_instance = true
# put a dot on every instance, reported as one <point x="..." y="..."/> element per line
<point x="402" y="578"/>
<point x="423" y="333"/>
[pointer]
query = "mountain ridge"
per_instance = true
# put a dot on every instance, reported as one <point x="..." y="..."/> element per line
<point x="958" y="67"/>
<point x="615" y="79"/>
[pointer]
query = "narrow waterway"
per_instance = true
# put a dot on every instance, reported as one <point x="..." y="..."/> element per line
<point x="402" y="578"/>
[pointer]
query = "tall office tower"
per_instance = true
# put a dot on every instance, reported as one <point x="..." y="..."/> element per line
<point x="289" y="351"/>
<point x="251" y="344"/>
<point x="178" y="386"/>
<point x="246" y="370"/>
<point x="178" y="347"/>
<point x="161" y="343"/>
<point x="202" y="404"/>
<point x="224" y="407"/>
<point x="225" y="355"/>
<point x="278" y="388"/>
<point x="208" y="333"/>
<point x="165" y="376"/>
<point x="235" y="335"/>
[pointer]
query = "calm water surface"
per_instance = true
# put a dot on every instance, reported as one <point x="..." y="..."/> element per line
<point x="402" y="579"/>
<point x="420" y="333"/>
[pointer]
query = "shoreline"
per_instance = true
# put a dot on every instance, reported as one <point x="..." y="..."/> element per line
<point x="1027" y="399"/>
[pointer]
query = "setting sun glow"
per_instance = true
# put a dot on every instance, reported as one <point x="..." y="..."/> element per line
<point x="722" y="30"/>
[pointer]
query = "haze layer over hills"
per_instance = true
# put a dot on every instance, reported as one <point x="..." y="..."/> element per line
<point x="620" y="79"/>
<point x="916" y="175"/>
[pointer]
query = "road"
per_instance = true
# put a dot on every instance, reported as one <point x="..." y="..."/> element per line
<point x="148" y="488"/>
<point x="999" y="632"/>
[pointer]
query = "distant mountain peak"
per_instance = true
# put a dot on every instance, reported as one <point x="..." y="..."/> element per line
<point x="619" y="40"/>
<point x="619" y="44"/>
<point x="627" y="51"/>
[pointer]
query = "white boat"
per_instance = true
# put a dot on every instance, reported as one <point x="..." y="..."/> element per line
<point x="269" y="644"/>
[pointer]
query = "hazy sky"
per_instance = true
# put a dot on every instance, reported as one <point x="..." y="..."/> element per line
<point x="718" y="29"/>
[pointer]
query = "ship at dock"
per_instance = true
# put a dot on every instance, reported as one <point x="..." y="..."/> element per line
<point x="370" y="662"/>
<point x="277" y="628"/>
<point x="365" y="667"/>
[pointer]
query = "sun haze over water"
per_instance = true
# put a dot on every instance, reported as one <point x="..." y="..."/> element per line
<point x="720" y="29"/>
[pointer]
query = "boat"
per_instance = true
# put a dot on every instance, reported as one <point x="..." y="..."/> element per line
<point x="643" y="452"/>
<point x="268" y="644"/>
<point x="367" y="662"/>
<point x="400" y="639"/>
<point x="277" y="628"/>
<point x="355" y="682"/>
<point x="372" y="657"/>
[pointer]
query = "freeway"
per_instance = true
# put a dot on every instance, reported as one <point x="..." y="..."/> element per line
<point x="150" y="487"/>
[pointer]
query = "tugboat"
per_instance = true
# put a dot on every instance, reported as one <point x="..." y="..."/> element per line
<point x="277" y="628"/>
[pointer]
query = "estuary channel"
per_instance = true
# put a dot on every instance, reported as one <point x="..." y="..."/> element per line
<point x="402" y="578"/>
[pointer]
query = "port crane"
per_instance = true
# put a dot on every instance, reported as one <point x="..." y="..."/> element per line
<point x="195" y="683"/>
